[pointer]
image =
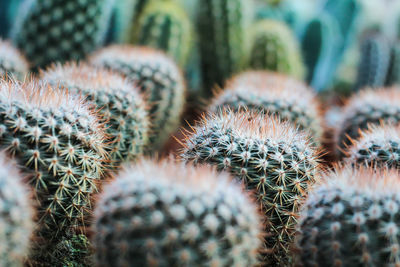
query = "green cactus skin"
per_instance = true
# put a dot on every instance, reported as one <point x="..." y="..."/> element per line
<point x="393" y="77"/>
<point x="58" y="31"/>
<point x="169" y="214"/>
<point x="121" y="107"/>
<point x="16" y="216"/>
<point x="272" y="159"/>
<point x="12" y="62"/>
<point x="58" y="143"/>
<point x="122" y="16"/>
<point x="275" y="48"/>
<point x="8" y="10"/>
<point x="352" y="219"/>
<point x="273" y="93"/>
<point x="158" y="77"/>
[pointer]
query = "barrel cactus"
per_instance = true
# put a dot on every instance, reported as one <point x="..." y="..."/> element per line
<point x="12" y="62"/>
<point x="121" y="106"/>
<point x="158" y="77"/>
<point x="270" y="157"/>
<point x="352" y="219"/>
<point x="58" y="143"/>
<point x="169" y="214"/>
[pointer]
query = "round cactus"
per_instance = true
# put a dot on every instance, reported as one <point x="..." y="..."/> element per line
<point x="272" y="93"/>
<point x="16" y="216"/>
<point x="352" y="219"/>
<point x="12" y="62"/>
<point x="160" y="79"/>
<point x="58" y="142"/>
<point x="120" y="105"/>
<point x="271" y="158"/>
<point x="169" y="214"/>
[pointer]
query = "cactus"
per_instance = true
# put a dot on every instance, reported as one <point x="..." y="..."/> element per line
<point x="120" y="105"/>
<point x="12" y="62"/>
<point x="160" y="79"/>
<point x="16" y="216"/>
<point x="271" y="158"/>
<point x="393" y="76"/>
<point x="169" y="214"/>
<point x="275" y="48"/>
<point x="273" y="93"/>
<point x="352" y="219"/>
<point x="8" y="10"/>
<point x="122" y="16"/>
<point x="57" y="30"/>
<point x="58" y="143"/>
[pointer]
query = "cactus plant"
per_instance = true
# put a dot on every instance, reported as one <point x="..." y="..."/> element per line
<point x="12" y="62"/>
<point x="271" y="158"/>
<point x="160" y="79"/>
<point x="393" y="76"/>
<point x="122" y="108"/>
<point x="8" y="10"/>
<point x="120" y="23"/>
<point x="274" y="47"/>
<point x="352" y="219"/>
<point x="16" y="215"/>
<point x="169" y="214"/>
<point x="275" y="94"/>
<point x="56" y="30"/>
<point x="58" y="143"/>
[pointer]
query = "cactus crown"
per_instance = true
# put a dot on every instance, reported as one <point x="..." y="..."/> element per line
<point x="12" y="62"/>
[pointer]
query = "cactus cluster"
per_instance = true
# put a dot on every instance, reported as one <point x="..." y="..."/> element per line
<point x="169" y="214"/>
<point x="12" y="62"/>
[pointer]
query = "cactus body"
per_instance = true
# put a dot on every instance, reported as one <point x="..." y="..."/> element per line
<point x="168" y="214"/>
<point x="352" y="219"/>
<point x="158" y="77"/>
<point x="58" y="143"/>
<point x="12" y="63"/>
<point x="122" y="16"/>
<point x="121" y="107"/>
<point x="58" y="30"/>
<point x="393" y="77"/>
<point x="271" y="158"/>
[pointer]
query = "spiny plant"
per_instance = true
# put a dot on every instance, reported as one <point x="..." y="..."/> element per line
<point x="123" y="14"/>
<point x="56" y="30"/>
<point x="270" y="157"/>
<point x="12" y="62"/>
<point x="158" y="77"/>
<point x="272" y="93"/>
<point x="275" y="48"/>
<point x="121" y="106"/>
<point x="352" y="219"/>
<point x="169" y="214"/>
<point x="16" y="215"/>
<point x="393" y="76"/>
<point x="8" y="10"/>
<point x="58" y="143"/>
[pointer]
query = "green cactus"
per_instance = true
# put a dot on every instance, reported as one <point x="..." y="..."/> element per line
<point x="274" y="47"/>
<point x="169" y="214"/>
<point x="121" y="107"/>
<point x="58" y="142"/>
<point x="351" y="219"/>
<point x="271" y="158"/>
<point x="393" y="76"/>
<point x="16" y="216"/>
<point x="122" y="16"/>
<point x="160" y="79"/>
<point x="12" y="62"/>
<point x="273" y="93"/>
<point x="8" y="10"/>
<point x="57" y="30"/>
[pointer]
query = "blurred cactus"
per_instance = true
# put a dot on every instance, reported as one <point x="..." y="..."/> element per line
<point x="8" y="10"/>
<point x="393" y="77"/>
<point x="12" y="62"/>
<point x="121" y="19"/>
<point x="168" y="214"/>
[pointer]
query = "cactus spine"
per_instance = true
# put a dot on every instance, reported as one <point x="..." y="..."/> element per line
<point x="271" y="158"/>
<point x="12" y="62"/>
<point x="169" y="214"/>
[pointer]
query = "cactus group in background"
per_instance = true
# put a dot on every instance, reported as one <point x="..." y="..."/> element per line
<point x="12" y="62"/>
<point x="56" y="30"/>
<point x="121" y="106"/>
<point x="58" y="143"/>
<point x="169" y="214"/>
<point x="16" y="216"/>
<point x="275" y="48"/>
<point x="393" y="77"/>
<point x="273" y="93"/>
<point x="271" y="158"/>
<point x="352" y="219"/>
<point x="159" y="78"/>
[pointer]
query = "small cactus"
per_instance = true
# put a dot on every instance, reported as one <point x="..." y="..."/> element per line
<point x="160" y="79"/>
<point x="271" y="158"/>
<point x="16" y="216"/>
<point x="122" y="108"/>
<point x="12" y="62"/>
<point x="352" y="219"/>
<point x="169" y="214"/>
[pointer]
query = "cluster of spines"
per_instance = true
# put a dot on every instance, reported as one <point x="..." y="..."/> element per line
<point x="12" y="62"/>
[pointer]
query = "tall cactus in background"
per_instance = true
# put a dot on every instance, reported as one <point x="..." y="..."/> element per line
<point x="12" y="62"/>
<point x="8" y="10"/>
<point x="393" y="76"/>
<point x="274" y="47"/>
<point x="58" y="30"/>
<point x="122" y="17"/>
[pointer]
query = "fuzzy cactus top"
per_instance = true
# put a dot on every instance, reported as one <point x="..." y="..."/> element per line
<point x="12" y="62"/>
